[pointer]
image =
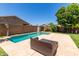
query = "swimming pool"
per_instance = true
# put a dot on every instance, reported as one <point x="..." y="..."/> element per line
<point x="19" y="38"/>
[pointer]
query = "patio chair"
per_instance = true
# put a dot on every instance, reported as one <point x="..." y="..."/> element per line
<point x="43" y="46"/>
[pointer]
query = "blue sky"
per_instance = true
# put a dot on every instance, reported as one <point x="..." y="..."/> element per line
<point x="34" y="13"/>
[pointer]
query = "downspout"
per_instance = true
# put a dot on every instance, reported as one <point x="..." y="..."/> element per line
<point x="38" y="30"/>
<point x="44" y="28"/>
<point x="7" y="26"/>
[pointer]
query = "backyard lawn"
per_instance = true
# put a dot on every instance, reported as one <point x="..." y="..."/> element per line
<point x="1" y="36"/>
<point x="75" y="38"/>
<point x="3" y="53"/>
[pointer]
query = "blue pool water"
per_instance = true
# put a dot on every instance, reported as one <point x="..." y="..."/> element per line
<point x="19" y="38"/>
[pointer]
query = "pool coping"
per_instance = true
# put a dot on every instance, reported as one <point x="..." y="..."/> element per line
<point x="6" y="37"/>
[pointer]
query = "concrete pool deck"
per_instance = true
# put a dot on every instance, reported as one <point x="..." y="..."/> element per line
<point x="66" y="46"/>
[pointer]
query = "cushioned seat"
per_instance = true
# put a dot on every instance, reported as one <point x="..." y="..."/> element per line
<point x="44" y="46"/>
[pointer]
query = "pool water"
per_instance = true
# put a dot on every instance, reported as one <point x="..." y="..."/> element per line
<point x="19" y="38"/>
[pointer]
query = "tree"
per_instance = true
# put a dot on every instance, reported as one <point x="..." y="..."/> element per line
<point x="60" y="15"/>
<point x="52" y="27"/>
<point x="76" y="27"/>
<point x="68" y="16"/>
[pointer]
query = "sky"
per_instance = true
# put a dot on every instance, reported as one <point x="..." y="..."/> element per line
<point x="33" y="13"/>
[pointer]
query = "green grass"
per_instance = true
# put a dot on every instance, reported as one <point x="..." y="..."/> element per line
<point x="75" y="38"/>
<point x="3" y="53"/>
<point x="1" y="36"/>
